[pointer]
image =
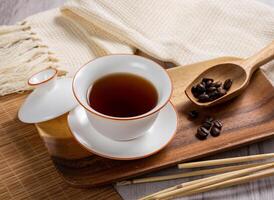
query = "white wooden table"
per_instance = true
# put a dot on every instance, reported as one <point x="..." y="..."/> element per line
<point x="14" y="10"/>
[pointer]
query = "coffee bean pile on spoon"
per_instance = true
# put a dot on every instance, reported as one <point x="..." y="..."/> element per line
<point x="209" y="126"/>
<point x="209" y="90"/>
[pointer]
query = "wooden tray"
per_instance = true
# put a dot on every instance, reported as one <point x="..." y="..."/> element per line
<point x="248" y="118"/>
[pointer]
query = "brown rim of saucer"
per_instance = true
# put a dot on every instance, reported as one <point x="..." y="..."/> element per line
<point x="51" y="77"/>
<point x="122" y="118"/>
<point x="137" y="157"/>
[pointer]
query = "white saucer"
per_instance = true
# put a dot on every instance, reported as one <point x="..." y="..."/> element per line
<point x="42" y="105"/>
<point x="158" y="136"/>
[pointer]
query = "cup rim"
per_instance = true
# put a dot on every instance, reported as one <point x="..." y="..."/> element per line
<point x="151" y="112"/>
<point x="44" y="81"/>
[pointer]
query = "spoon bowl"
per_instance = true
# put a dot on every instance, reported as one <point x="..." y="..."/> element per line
<point x="239" y="72"/>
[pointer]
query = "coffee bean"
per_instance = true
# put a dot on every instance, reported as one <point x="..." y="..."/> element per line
<point x="215" y="131"/>
<point x="193" y="114"/>
<point x="200" y="136"/>
<point x="208" y="90"/>
<point x="204" y="130"/>
<point x="221" y="91"/>
<point x="218" y="124"/>
<point x="214" y="95"/>
<point x="211" y="89"/>
<point x="200" y="88"/>
<point x="217" y="84"/>
<point x="203" y="83"/>
<point x="202" y="133"/>
<point x="203" y="98"/>
<point x="196" y="95"/>
<point x="207" y="79"/>
<point x="208" y="83"/>
<point x="227" y="84"/>
<point x="207" y="125"/>
<point x="193" y="89"/>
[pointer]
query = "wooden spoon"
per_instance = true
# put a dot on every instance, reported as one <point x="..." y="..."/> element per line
<point x="239" y="71"/>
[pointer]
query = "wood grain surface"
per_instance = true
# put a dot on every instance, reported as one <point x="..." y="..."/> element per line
<point x="14" y="10"/>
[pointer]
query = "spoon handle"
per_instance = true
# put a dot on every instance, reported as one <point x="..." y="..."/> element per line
<point x="252" y="63"/>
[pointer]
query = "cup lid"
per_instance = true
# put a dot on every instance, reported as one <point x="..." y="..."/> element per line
<point x="51" y="98"/>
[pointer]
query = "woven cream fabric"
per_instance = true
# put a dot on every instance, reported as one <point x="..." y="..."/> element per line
<point x="178" y="31"/>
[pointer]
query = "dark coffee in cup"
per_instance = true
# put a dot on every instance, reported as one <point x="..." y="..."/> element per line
<point x="122" y="95"/>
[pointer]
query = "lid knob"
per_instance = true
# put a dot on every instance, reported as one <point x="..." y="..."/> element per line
<point x="44" y="78"/>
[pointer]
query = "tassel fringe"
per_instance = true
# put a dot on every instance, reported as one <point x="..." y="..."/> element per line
<point x="21" y="55"/>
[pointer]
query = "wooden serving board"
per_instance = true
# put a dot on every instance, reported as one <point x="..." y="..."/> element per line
<point x="248" y="118"/>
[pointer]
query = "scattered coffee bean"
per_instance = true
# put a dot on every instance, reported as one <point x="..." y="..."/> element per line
<point x="208" y="90"/>
<point x="193" y="114"/>
<point x="207" y="125"/>
<point x="215" y="131"/>
<point x="218" y="124"/>
<point x="227" y="84"/>
<point x="202" y="133"/>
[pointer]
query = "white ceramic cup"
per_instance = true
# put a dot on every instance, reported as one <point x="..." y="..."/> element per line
<point x="122" y="128"/>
